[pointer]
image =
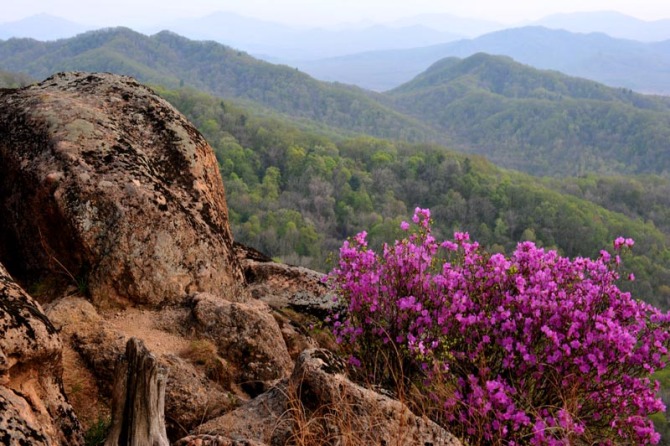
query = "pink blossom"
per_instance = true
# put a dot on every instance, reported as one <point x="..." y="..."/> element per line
<point x="508" y="335"/>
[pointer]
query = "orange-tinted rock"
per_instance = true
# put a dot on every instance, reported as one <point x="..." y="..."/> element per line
<point x="106" y="183"/>
<point x="282" y="285"/>
<point x="33" y="408"/>
<point x="245" y="334"/>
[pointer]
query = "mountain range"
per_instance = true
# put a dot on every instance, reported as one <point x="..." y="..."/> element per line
<point x="42" y="27"/>
<point x="542" y="122"/>
<point x="269" y="40"/>
<point x="612" y="23"/>
<point x="171" y="60"/>
<point x="643" y="67"/>
<point x="274" y="42"/>
<point x="302" y="171"/>
<point x="382" y="56"/>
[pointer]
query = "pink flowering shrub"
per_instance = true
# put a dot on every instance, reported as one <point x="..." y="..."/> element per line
<point x="531" y="349"/>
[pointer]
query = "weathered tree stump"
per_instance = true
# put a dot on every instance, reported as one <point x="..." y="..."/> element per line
<point x="138" y="400"/>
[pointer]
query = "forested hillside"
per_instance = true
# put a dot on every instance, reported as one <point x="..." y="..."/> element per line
<point x="296" y="195"/>
<point x="541" y="122"/>
<point x="170" y="60"/>
<point x="640" y="197"/>
<point x="13" y="80"/>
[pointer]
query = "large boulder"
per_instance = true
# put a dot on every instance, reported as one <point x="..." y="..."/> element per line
<point x="33" y="408"/>
<point x="105" y="183"/>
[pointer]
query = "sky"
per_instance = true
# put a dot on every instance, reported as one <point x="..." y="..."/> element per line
<point x="318" y="12"/>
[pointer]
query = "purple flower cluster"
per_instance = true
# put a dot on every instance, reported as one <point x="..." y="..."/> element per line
<point x="531" y="349"/>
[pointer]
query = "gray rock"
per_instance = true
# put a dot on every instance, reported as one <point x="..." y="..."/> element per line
<point x="265" y="420"/>
<point x="282" y="285"/>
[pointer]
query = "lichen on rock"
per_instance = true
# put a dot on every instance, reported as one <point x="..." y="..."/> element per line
<point x="33" y="407"/>
<point x="247" y="335"/>
<point x="104" y="182"/>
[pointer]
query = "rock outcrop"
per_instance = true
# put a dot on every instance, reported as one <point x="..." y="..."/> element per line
<point x="106" y="186"/>
<point x="190" y="397"/>
<point x="247" y="335"/>
<point x="33" y="408"/>
<point x="319" y="402"/>
<point x="106" y="183"/>
<point x="282" y="286"/>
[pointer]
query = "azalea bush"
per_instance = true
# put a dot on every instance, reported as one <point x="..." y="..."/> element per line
<point x="533" y="348"/>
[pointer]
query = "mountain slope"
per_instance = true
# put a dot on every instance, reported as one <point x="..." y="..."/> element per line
<point x="13" y="80"/>
<point x="642" y="67"/>
<point x="170" y="60"/>
<point x="539" y="121"/>
<point x="296" y="195"/>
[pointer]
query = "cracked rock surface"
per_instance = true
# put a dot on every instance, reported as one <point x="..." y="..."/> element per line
<point x="33" y="407"/>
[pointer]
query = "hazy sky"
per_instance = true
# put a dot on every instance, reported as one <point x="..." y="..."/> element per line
<point x="318" y="12"/>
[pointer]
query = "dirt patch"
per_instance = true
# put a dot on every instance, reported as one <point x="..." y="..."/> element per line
<point x="145" y="325"/>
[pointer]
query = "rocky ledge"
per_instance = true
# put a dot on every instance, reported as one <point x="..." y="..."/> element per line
<point x="113" y="214"/>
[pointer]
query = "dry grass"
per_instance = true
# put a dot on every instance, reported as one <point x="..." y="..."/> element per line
<point x="337" y="423"/>
<point x="311" y="326"/>
<point x="82" y="390"/>
<point x="203" y="354"/>
<point x="354" y="416"/>
<point x="237" y="292"/>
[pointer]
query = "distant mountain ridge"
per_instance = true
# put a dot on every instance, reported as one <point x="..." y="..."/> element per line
<point x="642" y="67"/>
<point x="42" y="27"/>
<point x="265" y="39"/>
<point x="467" y="27"/>
<point x="274" y="41"/>
<point x="612" y="23"/>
